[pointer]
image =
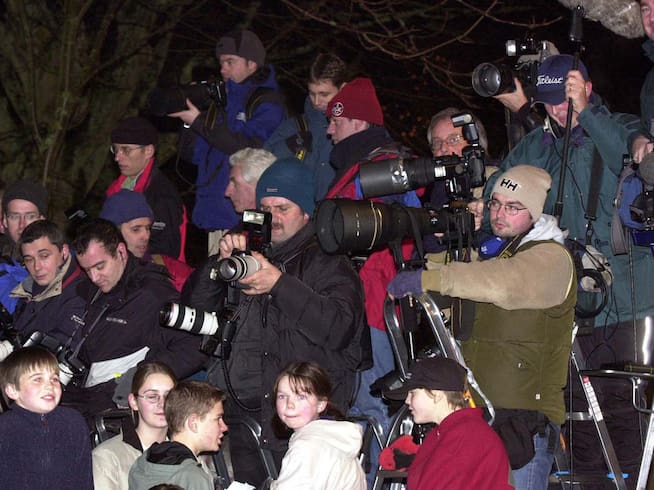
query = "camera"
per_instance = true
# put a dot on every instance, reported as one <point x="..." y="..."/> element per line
<point x="239" y="266"/>
<point x="163" y="101"/>
<point x="217" y="329"/>
<point x="489" y="79"/>
<point x="69" y="365"/>
<point x="257" y="228"/>
<point x="345" y="225"/>
<point x="396" y="176"/>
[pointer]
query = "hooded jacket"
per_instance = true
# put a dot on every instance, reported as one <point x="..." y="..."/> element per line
<point x="323" y="455"/>
<point x="169" y="462"/>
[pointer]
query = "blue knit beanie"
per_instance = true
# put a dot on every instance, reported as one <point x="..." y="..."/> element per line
<point x="124" y="206"/>
<point x="291" y="179"/>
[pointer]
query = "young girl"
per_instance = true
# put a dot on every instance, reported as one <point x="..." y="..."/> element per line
<point x="113" y="458"/>
<point x="323" y="450"/>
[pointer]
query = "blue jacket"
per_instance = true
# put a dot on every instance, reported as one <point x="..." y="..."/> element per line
<point x="317" y="159"/>
<point x="229" y="132"/>
<point x="50" y="451"/>
<point x="607" y="132"/>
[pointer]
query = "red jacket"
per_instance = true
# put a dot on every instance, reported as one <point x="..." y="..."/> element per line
<point x="462" y="452"/>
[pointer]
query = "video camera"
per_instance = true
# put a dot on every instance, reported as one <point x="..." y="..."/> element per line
<point x="489" y="79"/>
<point x="69" y="365"/>
<point x="163" y="101"/>
<point x="396" y="176"/>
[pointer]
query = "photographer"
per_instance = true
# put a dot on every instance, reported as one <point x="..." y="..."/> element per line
<point x="121" y="321"/>
<point x="598" y="141"/>
<point x="524" y="293"/>
<point x="47" y="299"/>
<point x="301" y="305"/>
<point x="252" y="111"/>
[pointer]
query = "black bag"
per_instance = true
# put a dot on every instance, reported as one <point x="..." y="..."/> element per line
<point x="517" y="428"/>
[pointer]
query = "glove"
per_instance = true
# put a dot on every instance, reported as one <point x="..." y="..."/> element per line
<point x="405" y="283"/>
<point x="400" y="454"/>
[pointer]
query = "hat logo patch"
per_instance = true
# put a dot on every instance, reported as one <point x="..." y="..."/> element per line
<point x="337" y="109"/>
<point x="510" y="184"/>
<point x="272" y="189"/>
<point x="548" y="80"/>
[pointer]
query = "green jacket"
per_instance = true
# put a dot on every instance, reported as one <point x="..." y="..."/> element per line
<point x="520" y="357"/>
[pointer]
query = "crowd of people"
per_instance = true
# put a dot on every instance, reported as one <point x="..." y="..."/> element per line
<point x="298" y="342"/>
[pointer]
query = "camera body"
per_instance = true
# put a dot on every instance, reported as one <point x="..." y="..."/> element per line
<point x="489" y="79"/>
<point x="69" y="365"/>
<point x="163" y="101"/>
<point x="396" y="176"/>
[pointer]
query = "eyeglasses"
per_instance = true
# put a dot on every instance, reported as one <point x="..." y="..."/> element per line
<point x="153" y="398"/>
<point x="28" y="217"/>
<point x="451" y="140"/>
<point x="125" y="150"/>
<point x="510" y="209"/>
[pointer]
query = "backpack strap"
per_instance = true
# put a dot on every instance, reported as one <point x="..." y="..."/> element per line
<point x="260" y="95"/>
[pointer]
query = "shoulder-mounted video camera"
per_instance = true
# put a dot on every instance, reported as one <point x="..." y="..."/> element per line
<point x="489" y="79"/>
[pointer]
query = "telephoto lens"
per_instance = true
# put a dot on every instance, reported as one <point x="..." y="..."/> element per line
<point x="182" y="317"/>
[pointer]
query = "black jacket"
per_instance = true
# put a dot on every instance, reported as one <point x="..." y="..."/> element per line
<point x="126" y="320"/>
<point x="315" y="312"/>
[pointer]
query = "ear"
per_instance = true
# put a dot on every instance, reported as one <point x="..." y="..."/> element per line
<point x="322" y="405"/>
<point x="192" y="422"/>
<point x="149" y="151"/>
<point x="122" y="251"/>
<point x="589" y="88"/>
<point x="11" y="392"/>
<point x="65" y="252"/>
<point x="131" y="400"/>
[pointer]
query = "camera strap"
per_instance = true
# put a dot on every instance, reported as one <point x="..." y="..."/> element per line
<point x="593" y="192"/>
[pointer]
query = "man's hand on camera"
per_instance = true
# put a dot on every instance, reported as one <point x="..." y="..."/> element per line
<point x="189" y="115"/>
<point x="230" y="242"/>
<point x="641" y="147"/>
<point x="513" y="101"/>
<point x="262" y="281"/>
<point x="405" y="283"/>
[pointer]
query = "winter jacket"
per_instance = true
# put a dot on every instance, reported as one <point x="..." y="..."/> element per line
<point x="178" y="270"/>
<point x="214" y="137"/>
<point x="288" y="139"/>
<point x="608" y="133"/>
<point x="461" y="452"/>
<point x="126" y="330"/>
<point x="373" y="144"/>
<point x="113" y="459"/>
<point x="169" y="225"/>
<point x="50" y="450"/>
<point x="323" y="455"/>
<point x="56" y="310"/>
<point x="314" y="312"/>
<point x="169" y="462"/>
<point x="522" y="330"/>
